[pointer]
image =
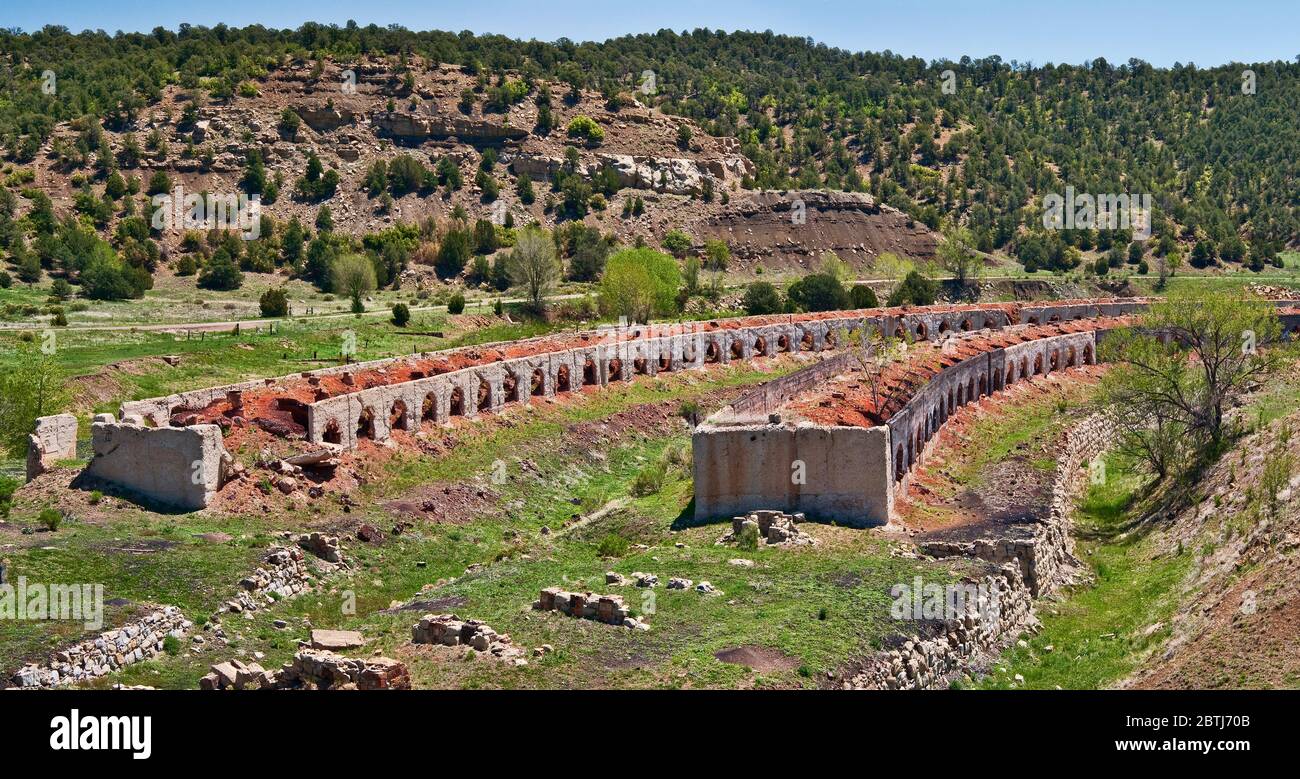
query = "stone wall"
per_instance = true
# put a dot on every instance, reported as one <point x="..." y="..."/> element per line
<point x="609" y="609"/>
<point x="178" y="467"/>
<point x="311" y="669"/>
<point x="929" y="663"/>
<point x="54" y="438"/>
<point x="108" y="652"/>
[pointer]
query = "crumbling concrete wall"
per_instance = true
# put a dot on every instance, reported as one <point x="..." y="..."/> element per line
<point x="180" y="467"/>
<point x="840" y="473"/>
<point x="54" y="438"/>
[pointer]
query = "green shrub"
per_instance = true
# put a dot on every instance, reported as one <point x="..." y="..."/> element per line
<point x="50" y="519"/>
<point x="862" y="296"/>
<point x="649" y="480"/>
<point x="747" y="538"/>
<point x="95" y="497"/>
<point x="612" y="545"/>
<point x="274" y="302"/>
<point x="456" y="303"/>
<point x="7" y="486"/>
<point x="401" y="314"/>
<point x="762" y="298"/>
<point x="172" y="645"/>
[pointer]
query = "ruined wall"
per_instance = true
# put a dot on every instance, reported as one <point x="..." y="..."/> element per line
<point x="54" y="438"/>
<point x="839" y="473"/>
<point x="107" y="652"/>
<point x="180" y="467"/>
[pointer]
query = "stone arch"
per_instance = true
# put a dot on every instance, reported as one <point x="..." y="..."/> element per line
<point x="429" y="408"/>
<point x="899" y="332"/>
<point x="921" y="331"/>
<point x="366" y="423"/>
<point x="712" y="353"/>
<point x="510" y="387"/>
<point x="783" y="343"/>
<point x="537" y="383"/>
<point x="1072" y="358"/>
<point x="589" y="376"/>
<point x="665" y="361"/>
<point x="984" y="386"/>
<point x="1087" y="354"/>
<point x="831" y="340"/>
<point x="806" y="342"/>
<point x="970" y="390"/>
<point x="614" y="370"/>
<point x="562" y="382"/>
<point x="1038" y="364"/>
<point x="332" y="434"/>
<point x="397" y="415"/>
<point x="944" y="327"/>
<point x="1024" y="368"/>
<point x="484" y="395"/>
<point x="760" y="346"/>
<point x="961" y="395"/>
<point x="1011" y="373"/>
<point x="1033" y="320"/>
<point x="898" y="463"/>
<point x="737" y="348"/>
<point x="1054" y="318"/>
<point x="639" y="366"/>
<point x="966" y="325"/>
<point x="457" y="404"/>
<point x="1054" y="362"/>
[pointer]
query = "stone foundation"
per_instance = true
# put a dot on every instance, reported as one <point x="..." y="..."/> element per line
<point x="450" y="630"/>
<point x="311" y="669"/>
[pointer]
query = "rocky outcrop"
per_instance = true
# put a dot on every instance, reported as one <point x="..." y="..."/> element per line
<point x="809" y="222"/>
<point x="325" y="118"/>
<point x="107" y="652"/>
<point x="415" y="128"/>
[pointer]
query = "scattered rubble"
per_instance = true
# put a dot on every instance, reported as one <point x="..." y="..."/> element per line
<point x="451" y="630"/>
<point x="312" y="669"/>
<point x="776" y="528"/>
<point x="609" y="609"/>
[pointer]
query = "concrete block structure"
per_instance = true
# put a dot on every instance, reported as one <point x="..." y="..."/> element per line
<point x="54" y="438"/>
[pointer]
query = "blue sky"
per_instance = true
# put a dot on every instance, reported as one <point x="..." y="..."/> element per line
<point x="1161" y="32"/>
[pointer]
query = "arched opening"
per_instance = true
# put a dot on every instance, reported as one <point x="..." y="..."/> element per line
<point x="1038" y="364"/>
<point x="614" y="370"/>
<point x="366" y="423"/>
<point x="665" y="362"/>
<point x="639" y="366"/>
<point x="831" y="341"/>
<point x="589" y="376"/>
<point x="1024" y="367"/>
<point x="984" y="386"/>
<point x="966" y="325"/>
<point x="899" y="332"/>
<point x="806" y="343"/>
<point x="712" y="353"/>
<point x="898" y="463"/>
<point x="1087" y="354"/>
<point x="484" y="395"/>
<point x="1054" y="318"/>
<point x="510" y="387"/>
<point x="952" y="401"/>
<point x="537" y="383"/>
<point x="397" y="416"/>
<point x="783" y="343"/>
<point x="737" y="348"/>
<point x="429" y="408"/>
<point x="1072" y="358"/>
<point x="921" y="331"/>
<point x="961" y="395"/>
<point x="970" y="390"/>
<point x="457" y="408"/>
<point x="562" y="379"/>
<point x="944" y="327"/>
<point x="1055" y="361"/>
<point x="1033" y="320"/>
<point x="1011" y="373"/>
<point x="332" y="434"/>
<point x="760" y="346"/>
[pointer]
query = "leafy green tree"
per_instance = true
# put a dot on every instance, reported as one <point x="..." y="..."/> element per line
<point x="639" y="284"/>
<point x="30" y="387"/>
<point x="762" y="298"/>
<point x="533" y="266"/>
<point x="818" y="292"/>
<point x="221" y="273"/>
<point x="353" y="275"/>
<point x="916" y="290"/>
<point x="274" y="303"/>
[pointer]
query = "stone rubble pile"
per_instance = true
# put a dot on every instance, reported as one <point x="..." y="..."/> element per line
<point x="774" y="527"/>
<point x="311" y="669"/>
<point x="609" y="609"/>
<point x="107" y="652"/>
<point x="451" y="630"/>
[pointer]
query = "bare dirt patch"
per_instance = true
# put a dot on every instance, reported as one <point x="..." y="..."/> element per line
<point x="759" y="658"/>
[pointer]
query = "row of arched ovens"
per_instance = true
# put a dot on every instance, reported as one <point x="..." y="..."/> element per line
<point x="622" y="355"/>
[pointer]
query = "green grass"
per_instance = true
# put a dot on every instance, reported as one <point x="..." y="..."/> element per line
<point x="1098" y="633"/>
